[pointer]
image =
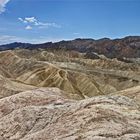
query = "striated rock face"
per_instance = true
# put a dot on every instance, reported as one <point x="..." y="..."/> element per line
<point x="79" y="77"/>
<point x="30" y="73"/>
<point x="48" y="114"/>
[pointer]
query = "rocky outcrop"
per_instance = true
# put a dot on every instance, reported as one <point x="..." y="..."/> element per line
<point x="48" y="114"/>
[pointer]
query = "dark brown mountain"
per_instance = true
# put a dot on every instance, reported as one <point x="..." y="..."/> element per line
<point x="128" y="47"/>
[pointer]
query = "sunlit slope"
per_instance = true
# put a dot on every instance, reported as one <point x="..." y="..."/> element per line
<point x="118" y="74"/>
<point x="10" y="87"/>
<point x="42" y="74"/>
<point x="79" y="77"/>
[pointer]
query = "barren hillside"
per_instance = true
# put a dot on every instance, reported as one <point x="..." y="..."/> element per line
<point x="63" y="95"/>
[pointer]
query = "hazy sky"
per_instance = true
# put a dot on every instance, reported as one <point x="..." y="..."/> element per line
<point x="52" y="20"/>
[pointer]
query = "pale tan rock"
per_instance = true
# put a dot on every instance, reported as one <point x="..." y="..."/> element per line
<point x="45" y="114"/>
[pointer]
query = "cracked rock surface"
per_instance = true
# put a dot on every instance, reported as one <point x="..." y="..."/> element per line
<point x="48" y="114"/>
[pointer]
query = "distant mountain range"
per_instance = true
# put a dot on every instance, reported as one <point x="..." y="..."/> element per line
<point x="128" y="47"/>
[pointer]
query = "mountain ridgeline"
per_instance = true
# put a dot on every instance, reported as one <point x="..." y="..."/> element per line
<point x="128" y="47"/>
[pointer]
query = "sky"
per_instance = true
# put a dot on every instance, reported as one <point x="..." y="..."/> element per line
<point x="39" y="21"/>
